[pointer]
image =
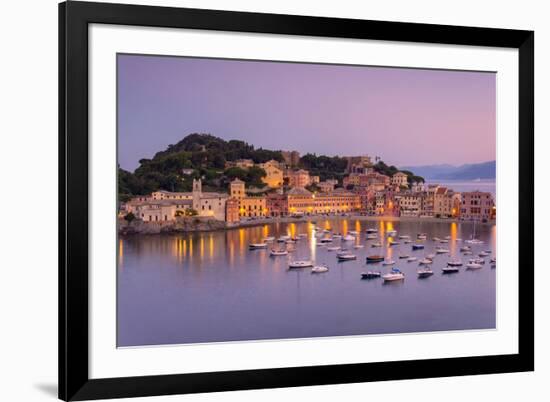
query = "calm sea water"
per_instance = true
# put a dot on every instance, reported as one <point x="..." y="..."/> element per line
<point x="209" y="287"/>
<point x="488" y="185"/>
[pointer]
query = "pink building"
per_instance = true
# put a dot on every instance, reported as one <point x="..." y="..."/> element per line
<point x="477" y="205"/>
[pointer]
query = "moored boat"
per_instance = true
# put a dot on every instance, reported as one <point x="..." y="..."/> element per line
<point x="334" y="248"/>
<point x="449" y="270"/>
<point x="388" y="262"/>
<point x="424" y="272"/>
<point x="319" y="269"/>
<point x="371" y="274"/>
<point x="346" y="256"/>
<point x="300" y="264"/>
<point x="348" y="237"/>
<point x="394" y="275"/>
<point x="417" y="246"/>
<point x="454" y="263"/>
<point x="374" y="258"/>
<point x="425" y="261"/>
<point x="473" y="265"/>
<point x="276" y="253"/>
<point x="441" y="250"/>
<point x="257" y="246"/>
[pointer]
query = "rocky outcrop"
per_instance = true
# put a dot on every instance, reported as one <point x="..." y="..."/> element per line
<point x="180" y="224"/>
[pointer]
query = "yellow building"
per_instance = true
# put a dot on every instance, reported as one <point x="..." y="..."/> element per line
<point x="274" y="174"/>
<point x="303" y="202"/>
<point x="298" y="178"/>
<point x="399" y="179"/>
<point x="248" y="206"/>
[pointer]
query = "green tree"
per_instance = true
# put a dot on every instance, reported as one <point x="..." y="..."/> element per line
<point x="130" y="217"/>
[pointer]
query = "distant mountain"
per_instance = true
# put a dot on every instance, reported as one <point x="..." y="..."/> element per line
<point x="472" y="171"/>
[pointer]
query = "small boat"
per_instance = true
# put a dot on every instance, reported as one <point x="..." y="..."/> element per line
<point x="394" y="275"/>
<point x="449" y="270"/>
<point x="325" y="240"/>
<point x="493" y="260"/>
<point x="444" y="241"/>
<point x="353" y="232"/>
<point x="374" y="258"/>
<point x="335" y="248"/>
<point x="282" y="239"/>
<point x="376" y="245"/>
<point x="408" y="241"/>
<point x="300" y="264"/>
<point x="348" y="238"/>
<point x="411" y="259"/>
<point x="421" y="236"/>
<point x="371" y="274"/>
<point x="467" y="252"/>
<point x="275" y="253"/>
<point x="257" y="246"/>
<point x="488" y="251"/>
<point x="371" y="230"/>
<point x="430" y="256"/>
<point x="477" y="261"/>
<point x="391" y="233"/>
<point x="358" y="246"/>
<point x="436" y="239"/>
<point x="269" y="239"/>
<point x="290" y="241"/>
<point x="473" y="265"/>
<point x="345" y="256"/>
<point x="372" y="237"/>
<point x="447" y="237"/>
<point x="454" y="263"/>
<point x="403" y="256"/>
<point x="465" y="248"/>
<point x="474" y="241"/>
<point x="424" y="272"/>
<point x="404" y="236"/>
<point x="336" y="236"/>
<point x="484" y="254"/>
<point x="417" y="246"/>
<point x="388" y="262"/>
<point x="441" y="250"/>
<point x="319" y="269"/>
<point x="425" y="261"/>
<point x="393" y="243"/>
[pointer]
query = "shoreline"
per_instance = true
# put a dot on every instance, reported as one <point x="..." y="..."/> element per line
<point x="145" y="228"/>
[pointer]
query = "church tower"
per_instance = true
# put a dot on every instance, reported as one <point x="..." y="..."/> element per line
<point x="197" y="193"/>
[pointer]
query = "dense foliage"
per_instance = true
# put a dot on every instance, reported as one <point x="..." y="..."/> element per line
<point x="326" y="167"/>
<point x="205" y="155"/>
<point x="382" y="168"/>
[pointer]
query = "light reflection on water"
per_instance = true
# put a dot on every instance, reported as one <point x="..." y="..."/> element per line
<point x="208" y="287"/>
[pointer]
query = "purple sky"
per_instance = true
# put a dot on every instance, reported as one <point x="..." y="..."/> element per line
<point x="405" y="116"/>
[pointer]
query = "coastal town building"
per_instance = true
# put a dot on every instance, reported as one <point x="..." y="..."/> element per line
<point x="291" y="158"/>
<point x="325" y="186"/>
<point x="232" y="210"/>
<point x="477" y="205"/>
<point x="410" y="204"/>
<point x="277" y="205"/>
<point x="358" y="164"/>
<point x="165" y="205"/>
<point x="274" y="174"/>
<point x="399" y="179"/>
<point x="298" y="178"/>
<point x="249" y="206"/>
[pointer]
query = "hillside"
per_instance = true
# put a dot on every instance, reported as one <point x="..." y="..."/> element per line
<point x="204" y="156"/>
<point x="472" y="171"/>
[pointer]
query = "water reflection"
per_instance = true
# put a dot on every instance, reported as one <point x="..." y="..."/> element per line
<point x="207" y="287"/>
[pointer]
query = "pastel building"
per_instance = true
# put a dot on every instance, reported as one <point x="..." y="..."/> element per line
<point x="399" y="179"/>
<point x="166" y="206"/>
<point x="298" y="178"/>
<point x="274" y="174"/>
<point x="477" y="205"/>
<point x="249" y="206"/>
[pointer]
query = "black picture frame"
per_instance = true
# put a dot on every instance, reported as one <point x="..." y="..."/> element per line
<point x="74" y="18"/>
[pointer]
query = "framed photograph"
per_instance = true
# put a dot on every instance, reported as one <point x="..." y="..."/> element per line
<point x="258" y="201"/>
